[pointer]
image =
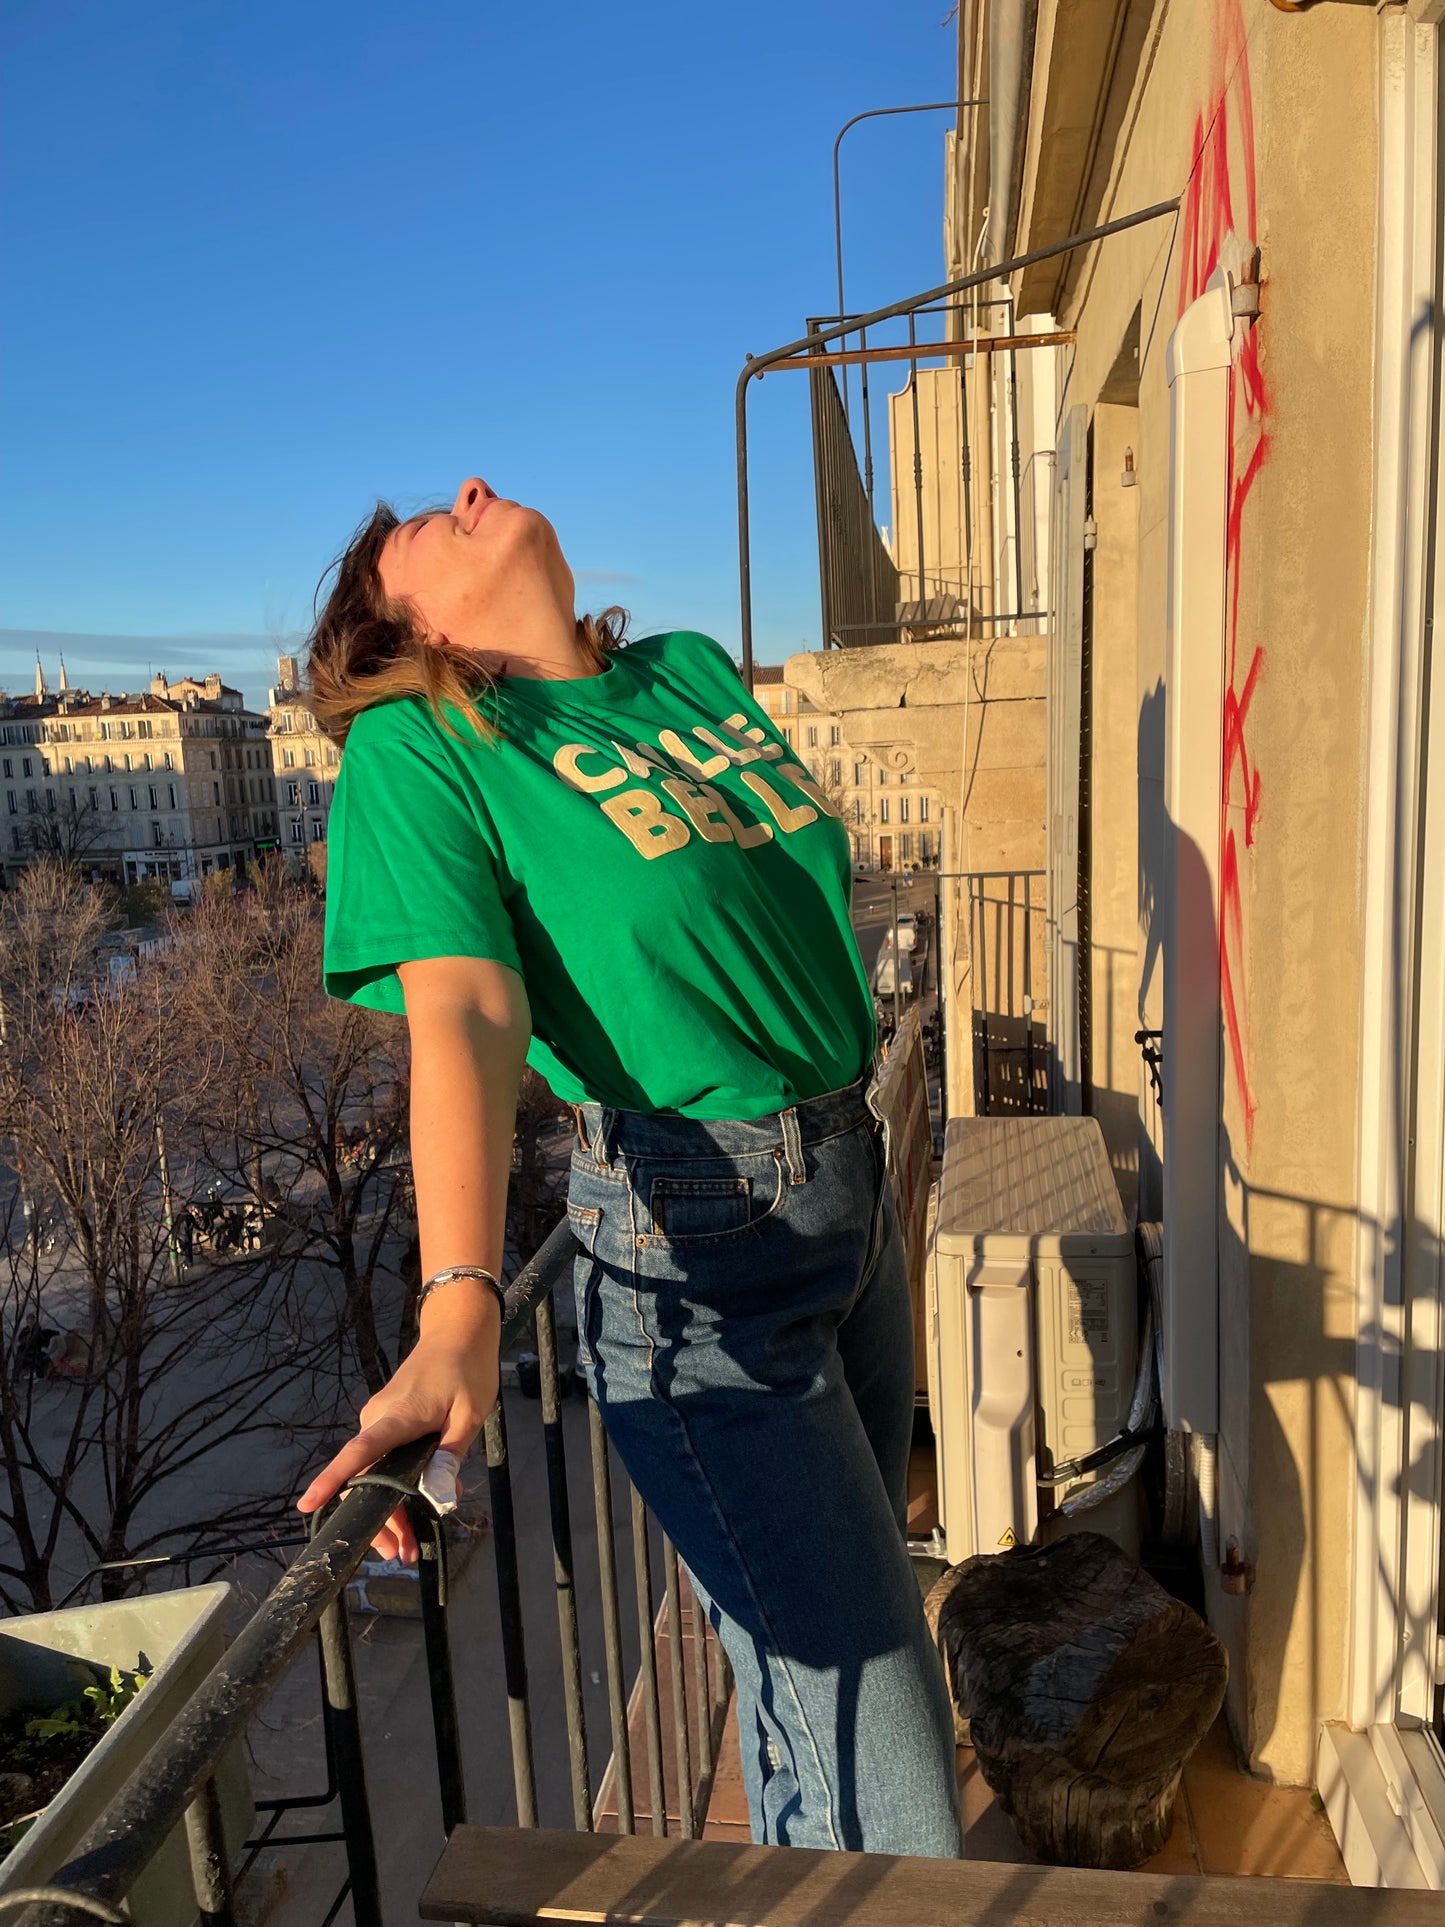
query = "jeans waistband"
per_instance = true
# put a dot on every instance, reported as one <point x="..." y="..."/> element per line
<point x="611" y="1133"/>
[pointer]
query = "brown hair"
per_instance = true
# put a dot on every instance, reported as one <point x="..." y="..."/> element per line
<point x="365" y="649"/>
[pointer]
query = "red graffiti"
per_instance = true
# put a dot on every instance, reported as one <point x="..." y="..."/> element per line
<point x="1208" y="219"/>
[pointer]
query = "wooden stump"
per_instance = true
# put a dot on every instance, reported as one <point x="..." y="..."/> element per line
<point x="1086" y="1687"/>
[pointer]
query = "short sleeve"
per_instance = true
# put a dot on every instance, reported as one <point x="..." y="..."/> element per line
<point x="409" y="871"/>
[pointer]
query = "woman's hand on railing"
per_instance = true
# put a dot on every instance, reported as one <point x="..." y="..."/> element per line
<point x="447" y="1384"/>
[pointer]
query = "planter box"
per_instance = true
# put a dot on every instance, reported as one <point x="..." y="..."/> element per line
<point x="49" y="1658"/>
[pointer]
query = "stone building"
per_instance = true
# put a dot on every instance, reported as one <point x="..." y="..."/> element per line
<point x="170" y="784"/>
<point x="304" y="764"/>
<point x="889" y="806"/>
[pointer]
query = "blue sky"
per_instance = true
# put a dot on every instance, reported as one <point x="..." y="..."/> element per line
<point x="264" y="263"/>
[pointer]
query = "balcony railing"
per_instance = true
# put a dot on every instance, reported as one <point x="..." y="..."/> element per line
<point x="176" y="1783"/>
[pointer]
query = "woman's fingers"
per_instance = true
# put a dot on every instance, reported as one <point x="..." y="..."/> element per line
<point x="371" y="1443"/>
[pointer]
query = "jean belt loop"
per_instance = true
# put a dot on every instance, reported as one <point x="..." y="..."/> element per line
<point x="599" y="1137"/>
<point x="793" y="1147"/>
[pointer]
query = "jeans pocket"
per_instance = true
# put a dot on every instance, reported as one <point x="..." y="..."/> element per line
<point x="699" y="1207"/>
<point x="584" y="1220"/>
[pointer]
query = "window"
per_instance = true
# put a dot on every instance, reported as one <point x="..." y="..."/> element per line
<point x="812" y="736"/>
<point x="144" y="729"/>
<point x="298" y="831"/>
<point x="216" y="792"/>
<point x="134" y="800"/>
<point x="313" y="793"/>
<point x="310" y="759"/>
<point x="155" y="805"/>
<point x="903" y="775"/>
<point x="146" y="760"/>
<point x="156" y="837"/>
<point x="903" y="809"/>
<point x="105" y="732"/>
<point x="115" y="799"/>
<point x="8" y="770"/>
<point x="788" y="736"/>
<point x="835" y="736"/>
<point x="288" y="759"/>
<point x="858" y="774"/>
<point x="95" y="799"/>
<point x="212" y="754"/>
<point x="168" y="762"/>
<point x="14" y="805"/>
<point x="32" y="801"/>
<point x="127" y="760"/>
<point x="318" y="830"/>
<point x="69" y="767"/>
<point x="882" y="776"/>
<point x="883" y="809"/>
<point x="785" y="702"/>
<point x="858" y="809"/>
<point x="171" y="793"/>
<point x="905" y="849"/>
<point x="923" y="809"/>
<point x="330" y="756"/>
<point x="109" y="766"/>
<point x="50" y="801"/>
<point x="15" y="839"/>
<point x="293" y="794"/>
<point x="25" y="766"/>
<point x="835" y="771"/>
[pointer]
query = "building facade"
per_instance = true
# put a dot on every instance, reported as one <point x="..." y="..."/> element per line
<point x="892" y="816"/>
<point x="171" y="784"/>
<point x="304" y="765"/>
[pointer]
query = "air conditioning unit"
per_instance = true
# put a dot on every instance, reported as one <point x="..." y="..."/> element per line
<point x="1031" y="1318"/>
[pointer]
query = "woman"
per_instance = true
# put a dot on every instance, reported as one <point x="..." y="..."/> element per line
<point x="606" y="860"/>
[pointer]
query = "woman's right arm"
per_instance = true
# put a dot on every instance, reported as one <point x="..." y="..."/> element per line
<point x="470" y="1026"/>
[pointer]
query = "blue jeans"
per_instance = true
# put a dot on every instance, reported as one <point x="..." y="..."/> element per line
<point x="744" y="1324"/>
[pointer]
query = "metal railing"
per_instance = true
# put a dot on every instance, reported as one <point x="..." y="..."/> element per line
<point x="1010" y="1044"/>
<point x="176" y="1784"/>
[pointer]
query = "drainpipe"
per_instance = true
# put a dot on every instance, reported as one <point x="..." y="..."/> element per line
<point x="1010" y="52"/>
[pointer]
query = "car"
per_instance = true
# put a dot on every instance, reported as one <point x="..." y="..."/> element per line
<point x="907" y="924"/>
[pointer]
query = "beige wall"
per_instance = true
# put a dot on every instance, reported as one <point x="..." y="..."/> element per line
<point x="1288" y="101"/>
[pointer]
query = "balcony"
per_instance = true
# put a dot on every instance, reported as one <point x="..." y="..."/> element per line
<point x="632" y="1762"/>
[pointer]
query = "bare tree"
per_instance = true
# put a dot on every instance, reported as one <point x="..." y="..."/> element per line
<point x="120" y="1435"/>
<point x="65" y="830"/>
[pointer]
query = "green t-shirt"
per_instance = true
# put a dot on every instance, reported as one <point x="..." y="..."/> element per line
<point x="642" y="847"/>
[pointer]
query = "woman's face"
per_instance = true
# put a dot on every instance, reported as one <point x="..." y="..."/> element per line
<point x="480" y="574"/>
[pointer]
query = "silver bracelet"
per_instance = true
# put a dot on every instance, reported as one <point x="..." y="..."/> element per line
<point x="461" y="1271"/>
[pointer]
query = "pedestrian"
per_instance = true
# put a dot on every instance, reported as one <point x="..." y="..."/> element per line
<point x="547" y="845"/>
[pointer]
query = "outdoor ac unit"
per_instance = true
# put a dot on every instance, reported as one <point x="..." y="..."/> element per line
<point x="1032" y="1327"/>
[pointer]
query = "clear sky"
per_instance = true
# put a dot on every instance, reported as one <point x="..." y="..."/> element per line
<point x="266" y="262"/>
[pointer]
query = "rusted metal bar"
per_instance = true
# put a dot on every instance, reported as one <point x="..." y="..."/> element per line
<point x="509" y="1611"/>
<point x="611" y="1620"/>
<point x="154" y="1800"/>
<point x="210" y="1865"/>
<point x="647" y="1663"/>
<point x="677" y="1671"/>
<point x="927" y="350"/>
<point x="446" y="1729"/>
<point x="559" y="1506"/>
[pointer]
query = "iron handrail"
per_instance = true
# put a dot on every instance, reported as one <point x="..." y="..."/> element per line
<point x="176" y="1783"/>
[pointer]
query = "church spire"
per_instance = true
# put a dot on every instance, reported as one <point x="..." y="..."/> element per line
<point x="64" y="679"/>
<point x="40" y="688"/>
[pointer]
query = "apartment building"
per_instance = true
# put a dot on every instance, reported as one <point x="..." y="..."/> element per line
<point x="892" y="818"/>
<point x="304" y="764"/>
<point x="172" y="783"/>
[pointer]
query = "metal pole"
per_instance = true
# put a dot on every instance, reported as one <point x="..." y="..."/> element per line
<point x="917" y="464"/>
<point x="611" y="1619"/>
<point x="678" y="1679"/>
<point x="343" y="1717"/>
<point x="897" y="959"/>
<point x="436" y="1640"/>
<point x="509" y="1607"/>
<point x="756" y="366"/>
<point x="874" y="113"/>
<point x="210" y="1866"/>
<point x="561" y="1511"/>
<point x="167" y="1203"/>
<point x="647" y="1659"/>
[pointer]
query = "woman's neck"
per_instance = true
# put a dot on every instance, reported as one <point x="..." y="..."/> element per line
<point x="541" y="648"/>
